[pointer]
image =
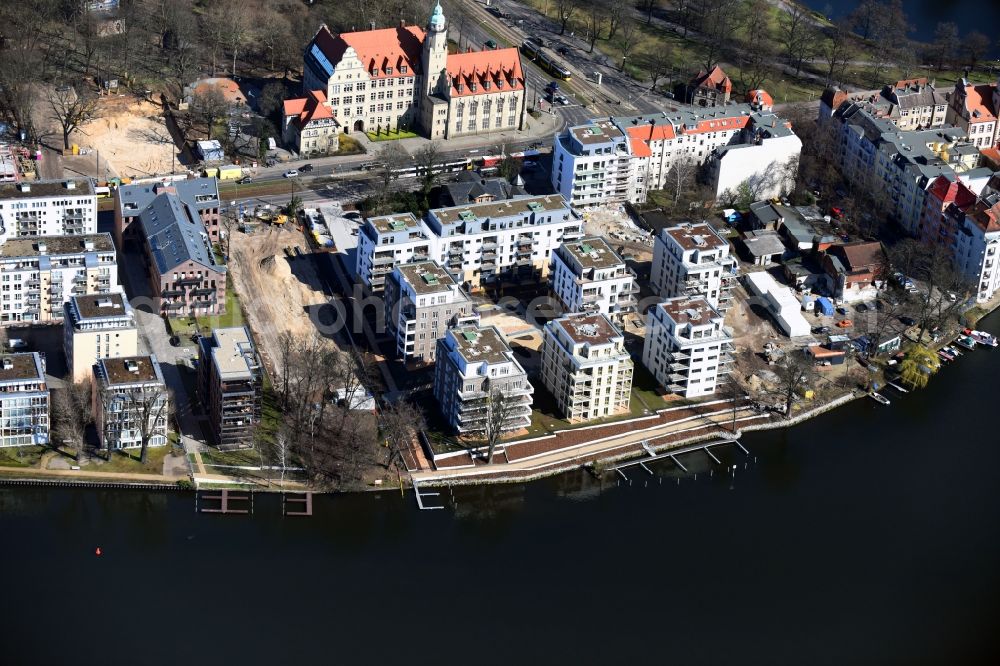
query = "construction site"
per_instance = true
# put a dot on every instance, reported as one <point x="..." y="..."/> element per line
<point x="277" y="279"/>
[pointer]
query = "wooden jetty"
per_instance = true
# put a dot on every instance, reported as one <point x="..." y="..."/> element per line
<point x="305" y="499"/>
<point x="229" y="501"/>
<point x="672" y="454"/>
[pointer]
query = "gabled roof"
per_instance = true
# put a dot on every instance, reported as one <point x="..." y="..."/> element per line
<point x="860" y="255"/>
<point x="306" y="109"/>
<point x="714" y="78"/>
<point x="480" y="67"/>
<point x="175" y="234"/>
<point x="951" y="192"/>
<point x="376" y="49"/>
<point x="760" y="98"/>
<point x="987" y="216"/>
<point x="979" y="102"/>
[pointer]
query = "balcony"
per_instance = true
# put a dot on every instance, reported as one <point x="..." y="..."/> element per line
<point x="456" y="250"/>
<point x="189" y="280"/>
<point x="383" y="260"/>
<point x="591" y="297"/>
<point x="80" y="278"/>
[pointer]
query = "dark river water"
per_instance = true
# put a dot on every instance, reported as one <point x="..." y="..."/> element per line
<point x="969" y="15"/>
<point x="866" y="536"/>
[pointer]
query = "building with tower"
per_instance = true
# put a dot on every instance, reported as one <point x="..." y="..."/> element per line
<point x="404" y="78"/>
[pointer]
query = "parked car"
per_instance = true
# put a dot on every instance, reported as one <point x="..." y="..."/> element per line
<point x="845" y="323"/>
<point x="822" y="330"/>
<point x="562" y="50"/>
<point x="909" y="321"/>
<point x="306" y="168"/>
<point x="174" y="341"/>
<point x="490" y="44"/>
<point x="291" y="173"/>
<point x="244" y="180"/>
<point x="530" y="164"/>
<point x="837" y="213"/>
<point x="841" y="310"/>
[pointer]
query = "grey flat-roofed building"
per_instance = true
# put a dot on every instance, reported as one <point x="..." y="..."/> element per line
<point x="230" y="384"/>
<point x="421" y="301"/>
<point x="130" y="390"/>
<point x="47" y="208"/>
<point x="202" y="194"/>
<point x="588" y="276"/>
<point x="474" y="367"/>
<point x="97" y="326"/>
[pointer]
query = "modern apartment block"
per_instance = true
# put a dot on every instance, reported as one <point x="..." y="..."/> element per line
<point x="588" y="276"/>
<point x="130" y="397"/>
<point x="229" y="385"/>
<point x="878" y="156"/>
<point x="585" y="366"/>
<point x="621" y="159"/>
<point x="422" y="301"/>
<point x="97" y="326"/>
<point x="38" y="275"/>
<point x="47" y="208"/>
<point x="474" y="366"/>
<point x="478" y="244"/>
<point x="201" y="195"/>
<point x="186" y="276"/>
<point x="693" y="260"/>
<point x="686" y="346"/>
<point x="24" y="400"/>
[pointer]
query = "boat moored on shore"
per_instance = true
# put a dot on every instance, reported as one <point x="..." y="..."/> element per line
<point x="982" y="337"/>
<point x="878" y="397"/>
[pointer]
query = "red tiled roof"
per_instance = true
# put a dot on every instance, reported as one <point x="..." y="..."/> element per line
<point x="478" y="67"/>
<point x="760" y="97"/>
<point x="992" y="154"/>
<point x="736" y="122"/>
<point x="376" y="49"/>
<point x="987" y="217"/>
<point x="309" y="108"/>
<point x="649" y="132"/>
<point x="640" y="148"/>
<point x="861" y="256"/>
<point x="714" y="78"/>
<point x="980" y="99"/>
<point x="951" y="192"/>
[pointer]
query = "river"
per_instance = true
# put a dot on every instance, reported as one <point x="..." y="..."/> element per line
<point x="865" y="536"/>
<point x="924" y="15"/>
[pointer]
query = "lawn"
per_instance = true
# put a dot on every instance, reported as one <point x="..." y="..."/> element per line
<point x="21" y="456"/>
<point x="349" y="146"/>
<point x="240" y="458"/>
<point x="391" y="135"/>
<point x="127" y="460"/>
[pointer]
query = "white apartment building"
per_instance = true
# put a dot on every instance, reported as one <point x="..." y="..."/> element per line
<point x="588" y="276"/>
<point x="24" y="400"/>
<point x="474" y="367"/>
<point x="404" y="77"/>
<point x="621" y="159"/>
<point x="47" y="208"/>
<point x="421" y="302"/>
<point x="97" y="326"/>
<point x="911" y="104"/>
<point x="478" y="243"/>
<point x="585" y="367"/>
<point x="693" y="260"/>
<point x="687" y="347"/>
<point x="38" y="275"/>
<point x="127" y="392"/>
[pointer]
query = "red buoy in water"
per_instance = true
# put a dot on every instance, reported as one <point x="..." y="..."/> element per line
<point x="98" y="551"/>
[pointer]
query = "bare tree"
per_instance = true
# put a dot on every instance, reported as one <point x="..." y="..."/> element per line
<point x="427" y="159"/>
<point x="718" y="21"/>
<point x="836" y="51"/>
<point x="617" y="11"/>
<point x="798" y="35"/>
<point x="210" y="106"/>
<point x="795" y="373"/>
<point x="400" y="423"/>
<point x="499" y="410"/>
<point x="974" y="47"/>
<point x="756" y="51"/>
<point x="142" y="409"/>
<point x="72" y="412"/>
<point x="596" y="18"/>
<point x="680" y="179"/>
<point x="630" y="36"/>
<point x="70" y="110"/>
<point x="945" y="45"/>
<point x="648" y="6"/>
<point x="238" y="31"/>
<point x="655" y="65"/>
<point x="565" y="10"/>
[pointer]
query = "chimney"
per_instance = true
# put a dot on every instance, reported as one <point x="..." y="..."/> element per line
<point x="8" y="364"/>
<point x="88" y="245"/>
<point x="402" y="23"/>
<point x="70" y="185"/>
<point x="43" y="248"/>
<point x="132" y="366"/>
<point x="24" y="187"/>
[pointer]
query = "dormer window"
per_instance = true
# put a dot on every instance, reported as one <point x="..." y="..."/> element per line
<point x="461" y="87"/>
<point x="486" y="84"/>
<point x="500" y="84"/>
<point x="472" y="87"/>
<point x="402" y="69"/>
<point x="388" y="71"/>
<point x="373" y="71"/>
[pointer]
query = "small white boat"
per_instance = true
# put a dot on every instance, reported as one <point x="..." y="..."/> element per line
<point x="983" y="338"/>
<point x="952" y="350"/>
<point x="898" y="387"/>
<point x="945" y="355"/>
<point x="878" y="397"/>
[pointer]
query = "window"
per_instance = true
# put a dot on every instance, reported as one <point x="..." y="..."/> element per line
<point x="371" y="109"/>
<point x="348" y="87"/>
<point x="399" y="105"/>
<point x="361" y="86"/>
